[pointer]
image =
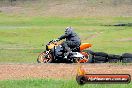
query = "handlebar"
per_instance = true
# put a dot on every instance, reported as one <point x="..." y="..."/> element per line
<point x="55" y="40"/>
<point x="52" y="41"/>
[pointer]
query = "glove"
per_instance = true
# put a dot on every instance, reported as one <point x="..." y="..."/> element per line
<point x="57" y="39"/>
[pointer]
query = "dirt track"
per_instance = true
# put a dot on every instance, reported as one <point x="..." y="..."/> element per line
<point x="20" y="71"/>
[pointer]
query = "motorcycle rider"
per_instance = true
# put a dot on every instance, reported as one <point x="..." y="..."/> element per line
<point x="72" y="40"/>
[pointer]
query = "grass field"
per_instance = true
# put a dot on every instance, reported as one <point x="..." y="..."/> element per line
<point x="26" y="25"/>
<point x="21" y="38"/>
<point x="56" y="83"/>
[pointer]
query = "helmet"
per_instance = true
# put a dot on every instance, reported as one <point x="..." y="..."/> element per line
<point x="68" y="29"/>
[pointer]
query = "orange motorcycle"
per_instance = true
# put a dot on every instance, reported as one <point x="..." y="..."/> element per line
<point x="55" y="53"/>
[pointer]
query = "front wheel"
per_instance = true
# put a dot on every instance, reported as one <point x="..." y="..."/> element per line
<point x="45" y="57"/>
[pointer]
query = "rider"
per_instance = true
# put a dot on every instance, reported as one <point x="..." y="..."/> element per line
<point x="72" y="40"/>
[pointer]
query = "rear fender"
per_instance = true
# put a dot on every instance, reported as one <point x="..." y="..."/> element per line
<point x="85" y="46"/>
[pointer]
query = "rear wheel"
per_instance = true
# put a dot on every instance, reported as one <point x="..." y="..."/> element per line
<point x="87" y="58"/>
<point x="90" y="58"/>
<point x="45" y="58"/>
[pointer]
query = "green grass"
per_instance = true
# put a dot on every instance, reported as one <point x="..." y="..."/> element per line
<point x="55" y="83"/>
<point x="21" y="38"/>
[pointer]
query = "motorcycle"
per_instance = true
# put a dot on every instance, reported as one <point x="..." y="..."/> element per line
<point x="55" y="53"/>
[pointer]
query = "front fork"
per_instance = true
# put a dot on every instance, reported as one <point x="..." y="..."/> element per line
<point x="47" y="54"/>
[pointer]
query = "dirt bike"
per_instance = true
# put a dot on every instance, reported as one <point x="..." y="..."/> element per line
<point x="55" y="53"/>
